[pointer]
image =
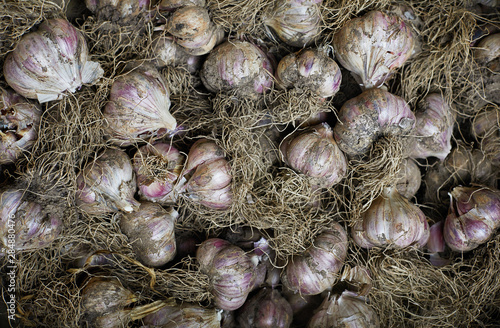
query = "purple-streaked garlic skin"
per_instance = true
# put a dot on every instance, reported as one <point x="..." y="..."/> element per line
<point x="183" y="316"/>
<point x="120" y="11"/>
<point x="310" y="69"/>
<point x="161" y="188"/>
<point x="433" y="128"/>
<point x="473" y="217"/>
<point x="107" y="184"/>
<point x="150" y="230"/>
<point x="391" y="221"/>
<point x="316" y="269"/>
<point x="345" y="310"/>
<point x="436" y="242"/>
<point x="168" y="53"/>
<point x="373" y="113"/>
<point x="409" y="178"/>
<point x="373" y="46"/>
<point x="139" y="107"/>
<point x="295" y="22"/>
<point x="19" y="120"/>
<point x="231" y="270"/>
<point x="488" y="49"/>
<point x="315" y="153"/>
<point x="48" y="63"/>
<point x="266" y="309"/>
<point x="240" y="66"/>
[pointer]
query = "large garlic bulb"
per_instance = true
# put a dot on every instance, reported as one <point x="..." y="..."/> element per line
<point x="19" y="121"/>
<point x="107" y="184"/>
<point x="50" y="62"/>
<point x="373" y="46"/>
<point x="139" y="107"/>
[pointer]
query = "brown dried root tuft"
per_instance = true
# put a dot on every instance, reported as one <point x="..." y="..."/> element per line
<point x="242" y="17"/>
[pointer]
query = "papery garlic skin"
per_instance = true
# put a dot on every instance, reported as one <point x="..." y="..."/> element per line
<point x="188" y="22"/>
<point x="139" y="107"/>
<point x="19" y="120"/>
<point x="48" y="63"/>
<point x="266" y="309"/>
<point x="433" y="128"/>
<point x="150" y="230"/>
<point x="373" y="46"/>
<point x="310" y="69"/>
<point x="315" y="153"/>
<point x="121" y="11"/>
<point x="169" y="53"/>
<point x="488" y="49"/>
<point x="409" y="178"/>
<point x="231" y="270"/>
<point x="240" y="66"/>
<point x="486" y="130"/>
<point x="183" y="316"/>
<point x="296" y="22"/>
<point x="373" y="113"/>
<point x="317" y="268"/>
<point x="170" y="5"/>
<point x="345" y="310"/>
<point x="391" y="221"/>
<point x="107" y="184"/>
<point x="473" y="218"/>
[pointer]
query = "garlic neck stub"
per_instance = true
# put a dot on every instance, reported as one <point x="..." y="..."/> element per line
<point x="373" y="46"/>
<point x="50" y="62"/>
<point x="19" y="120"/>
<point x="266" y="309"/>
<point x="373" y="113"/>
<point x="139" y="107"/>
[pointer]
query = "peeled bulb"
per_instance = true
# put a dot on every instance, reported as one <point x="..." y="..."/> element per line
<point x="139" y="107"/>
<point x="373" y="46"/>
<point x="473" y="218"/>
<point x="391" y="221"/>
<point x="346" y="310"/>
<point x="183" y="316"/>
<point x="296" y="22"/>
<point x="409" y="178"/>
<point x="266" y="309"/>
<point x="315" y="153"/>
<point x="150" y="230"/>
<point x="122" y="11"/>
<point x="433" y="128"/>
<point x="373" y="113"/>
<point x="312" y="70"/>
<point x="316" y="270"/>
<point x="50" y="62"/>
<point x="107" y="184"/>
<point x="488" y="49"/>
<point x="19" y="121"/>
<point x="231" y="272"/>
<point x="240" y="66"/>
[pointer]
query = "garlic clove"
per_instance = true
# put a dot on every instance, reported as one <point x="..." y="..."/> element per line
<point x="436" y="242"/>
<point x="203" y="150"/>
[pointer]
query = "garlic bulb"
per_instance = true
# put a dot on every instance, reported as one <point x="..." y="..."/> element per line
<point x="138" y="107"/>
<point x="107" y="184"/>
<point x="312" y="70"/>
<point x="369" y="115"/>
<point x="315" y="153"/>
<point x="51" y="61"/>
<point x="488" y="49"/>
<point x="158" y="167"/>
<point x="409" y="178"/>
<point x="169" y="53"/>
<point x="240" y="66"/>
<point x="231" y="270"/>
<point x="433" y="128"/>
<point x="170" y="5"/>
<point x="19" y="121"/>
<point x="267" y="308"/>
<point x="486" y="130"/>
<point x="150" y="230"/>
<point x="317" y="268"/>
<point x="208" y="175"/>
<point x="346" y="310"/>
<point x="183" y="316"/>
<point x="391" y="221"/>
<point x="26" y="224"/>
<point x="373" y="46"/>
<point x="122" y="11"/>
<point x="296" y="22"/>
<point x="473" y="217"/>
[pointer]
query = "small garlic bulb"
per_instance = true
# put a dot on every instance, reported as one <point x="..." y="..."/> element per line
<point x="317" y="268"/>
<point x="150" y="230"/>
<point x="373" y="46"/>
<point x="391" y="221"/>
<point x="240" y="66"/>
<point x="346" y="310"/>
<point x="409" y="178"/>
<point x="315" y="153"/>
<point x="183" y="316"/>
<point x="168" y="53"/>
<point x="296" y="22"/>
<point x="433" y="128"/>
<point x="139" y="107"/>
<point x="107" y="184"/>
<point x="19" y="121"/>
<point x="373" y="113"/>
<point x="488" y="49"/>
<point x="266" y="309"/>
<point x="51" y="61"/>
<point x="312" y="70"/>
<point x="122" y="11"/>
